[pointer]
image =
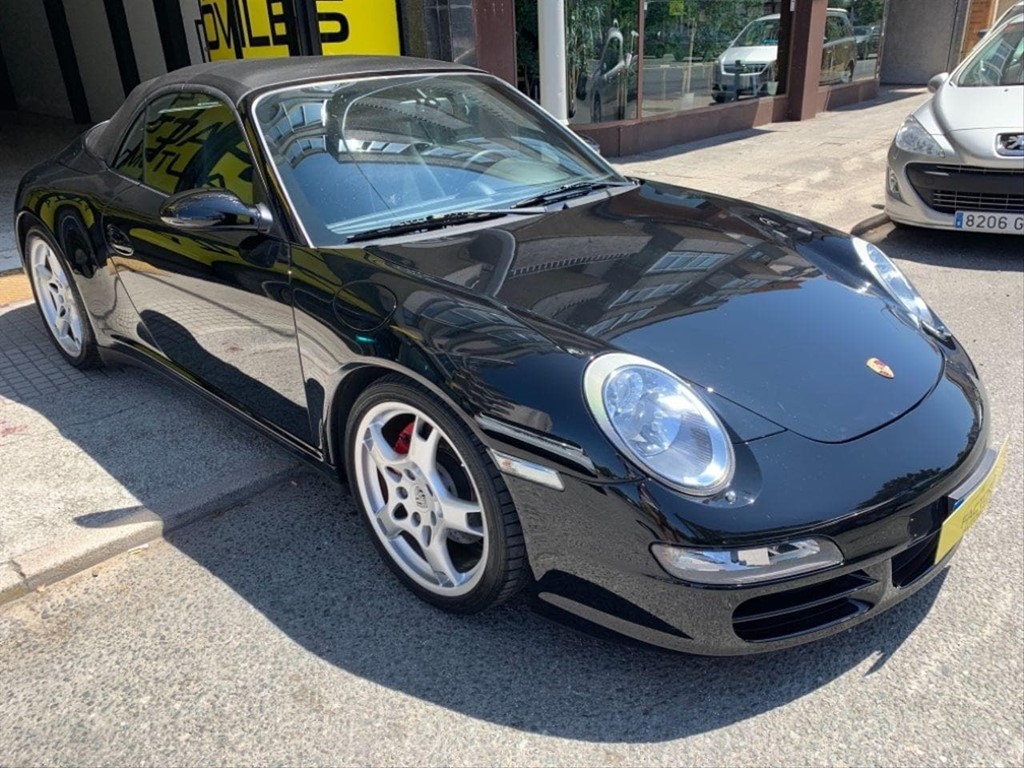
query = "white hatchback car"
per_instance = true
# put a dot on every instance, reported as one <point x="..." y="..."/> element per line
<point x="957" y="162"/>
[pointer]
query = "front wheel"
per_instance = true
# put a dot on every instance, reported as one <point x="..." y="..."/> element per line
<point x="438" y="508"/>
<point x="59" y="301"/>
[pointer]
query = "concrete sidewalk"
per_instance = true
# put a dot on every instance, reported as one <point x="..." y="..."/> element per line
<point x="92" y="464"/>
<point x="829" y="169"/>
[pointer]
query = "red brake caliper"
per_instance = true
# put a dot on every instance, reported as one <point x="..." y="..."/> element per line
<point x="404" y="438"/>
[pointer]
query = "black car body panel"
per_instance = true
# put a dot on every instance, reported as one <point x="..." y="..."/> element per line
<point x="771" y="316"/>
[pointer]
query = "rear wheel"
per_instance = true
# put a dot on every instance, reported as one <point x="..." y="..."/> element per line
<point x="59" y="301"/>
<point x="439" y="510"/>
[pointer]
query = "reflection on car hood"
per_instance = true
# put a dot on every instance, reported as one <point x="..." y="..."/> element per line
<point x="753" y="54"/>
<point x="728" y="295"/>
<point x="964" y="109"/>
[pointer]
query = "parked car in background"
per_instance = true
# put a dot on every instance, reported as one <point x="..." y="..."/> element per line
<point x="957" y="162"/>
<point x="748" y="66"/>
<point x="612" y="82"/>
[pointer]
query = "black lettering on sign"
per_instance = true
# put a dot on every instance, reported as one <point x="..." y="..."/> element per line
<point x="333" y="27"/>
<point x="280" y="20"/>
<point x="220" y="30"/>
<point x="227" y="32"/>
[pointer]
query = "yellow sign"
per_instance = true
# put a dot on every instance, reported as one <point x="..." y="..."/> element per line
<point x="363" y="26"/>
<point x="252" y="29"/>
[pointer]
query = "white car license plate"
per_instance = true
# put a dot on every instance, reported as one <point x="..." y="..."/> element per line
<point x="979" y="221"/>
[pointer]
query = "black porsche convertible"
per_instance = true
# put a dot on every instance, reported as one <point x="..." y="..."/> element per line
<point x="682" y="418"/>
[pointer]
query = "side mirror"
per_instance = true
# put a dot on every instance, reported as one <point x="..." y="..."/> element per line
<point x="936" y="82"/>
<point x="591" y="143"/>
<point x="213" y="209"/>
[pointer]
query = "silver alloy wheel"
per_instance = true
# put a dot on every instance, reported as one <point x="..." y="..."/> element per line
<point x="434" y="532"/>
<point x="53" y="290"/>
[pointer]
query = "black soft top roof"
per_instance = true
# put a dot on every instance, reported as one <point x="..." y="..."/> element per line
<point x="240" y="77"/>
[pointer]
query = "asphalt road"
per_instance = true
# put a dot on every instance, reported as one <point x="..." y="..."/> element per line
<point x="273" y="634"/>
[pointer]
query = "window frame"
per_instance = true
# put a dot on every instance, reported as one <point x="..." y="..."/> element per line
<point x="260" y="187"/>
<point x="252" y="101"/>
<point x="136" y="122"/>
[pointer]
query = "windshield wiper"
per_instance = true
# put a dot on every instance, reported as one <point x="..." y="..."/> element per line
<point x="571" y="190"/>
<point x="438" y="221"/>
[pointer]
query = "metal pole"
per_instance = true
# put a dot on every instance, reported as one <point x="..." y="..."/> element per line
<point x="551" y="29"/>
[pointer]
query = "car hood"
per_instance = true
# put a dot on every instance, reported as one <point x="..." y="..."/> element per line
<point x="996" y="109"/>
<point x="758" y="307"/>
<point x="751" y="54"/>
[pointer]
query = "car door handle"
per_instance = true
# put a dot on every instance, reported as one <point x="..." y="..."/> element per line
<point x="118" y="241"/>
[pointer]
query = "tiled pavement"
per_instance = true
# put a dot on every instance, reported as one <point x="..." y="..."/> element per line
<point x="30" y="367"/>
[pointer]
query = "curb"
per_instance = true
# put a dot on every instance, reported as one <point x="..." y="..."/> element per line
<point x="130" y="528"/>
<point x="872" y="222"/>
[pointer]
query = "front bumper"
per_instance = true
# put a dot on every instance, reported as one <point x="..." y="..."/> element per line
<point x="931" y="190"/>
<point x="882" y="499"/>
<point x="756" y="81"/>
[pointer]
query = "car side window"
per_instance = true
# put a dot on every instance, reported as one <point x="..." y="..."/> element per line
<point x="128" y="161"/>
<point x="192" y="141"/>
<point x="833" y="29"/>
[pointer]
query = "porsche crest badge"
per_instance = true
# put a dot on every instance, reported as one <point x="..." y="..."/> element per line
<point x="880" y="368"/>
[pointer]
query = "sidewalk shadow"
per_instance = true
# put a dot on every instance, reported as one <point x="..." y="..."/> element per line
<point x="125" y="440"/>
<point x="692" y="146"/>
<point x="886" y="95"/>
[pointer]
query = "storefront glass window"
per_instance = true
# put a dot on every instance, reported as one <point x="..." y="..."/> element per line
<point x="867" y="17"/>
<point x="703" y="52"/>
<point x="602" y="43"/>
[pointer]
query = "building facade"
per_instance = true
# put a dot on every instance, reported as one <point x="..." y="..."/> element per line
<point x="639" y="74"/>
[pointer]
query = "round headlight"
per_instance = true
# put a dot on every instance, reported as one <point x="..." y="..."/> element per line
<point x="659" y="422"/>
<point x="893" y="280"/>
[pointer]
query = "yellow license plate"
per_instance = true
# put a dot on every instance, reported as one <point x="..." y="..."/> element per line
<point x="970" y="508"/>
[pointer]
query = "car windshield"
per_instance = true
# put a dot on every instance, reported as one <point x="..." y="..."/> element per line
<point x="998" y="61"/>
<point x="760" y="32"/>
<point x="367" y="154"/>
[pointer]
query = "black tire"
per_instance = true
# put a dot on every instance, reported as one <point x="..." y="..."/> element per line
<point x="88" y="356"/>
<point x="506" y="569"/>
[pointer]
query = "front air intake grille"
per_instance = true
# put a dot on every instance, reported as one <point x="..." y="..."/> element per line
<point x="949" y="201"/>
<point x="951" y="188"/>
<point x="913" y="563"/>
<point x="795" y="612"/>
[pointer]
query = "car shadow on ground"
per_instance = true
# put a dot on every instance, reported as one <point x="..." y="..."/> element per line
<point x="943" y="248"/>
<point x="302" y="558"/>
<point x="128" y="441"/>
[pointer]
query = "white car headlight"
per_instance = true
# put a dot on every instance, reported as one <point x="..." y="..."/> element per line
<point x="659" y="422"/>
<point x="912" y="137"/>
<point x="895" y="282"/>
